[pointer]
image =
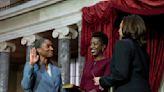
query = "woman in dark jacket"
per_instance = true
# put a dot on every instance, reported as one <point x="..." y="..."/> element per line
<point x="130" y="62"/>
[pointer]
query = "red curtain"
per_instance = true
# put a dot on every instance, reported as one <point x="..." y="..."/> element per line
<point x="102" y="17"/>
<point x="97" y="18"/>
<point x="144" y="7"/>
<point x="155" y="48"/>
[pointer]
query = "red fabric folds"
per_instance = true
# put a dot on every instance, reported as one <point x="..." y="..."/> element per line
<point x="156" y="52"/>
<point x="144" y="7"/>
<point x="102" y="16"/>
<point x="97" y="18"/>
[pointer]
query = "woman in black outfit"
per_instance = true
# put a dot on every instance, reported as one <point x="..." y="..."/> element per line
<point x="130" y="62"/>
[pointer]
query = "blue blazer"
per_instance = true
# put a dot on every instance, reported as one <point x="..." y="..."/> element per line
<point x="36" y="79"/>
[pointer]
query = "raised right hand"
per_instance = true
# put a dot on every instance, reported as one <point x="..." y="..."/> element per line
<point x="33" y="56"/>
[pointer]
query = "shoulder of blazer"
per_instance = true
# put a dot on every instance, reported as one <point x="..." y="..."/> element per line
<point x="125" y="42"/>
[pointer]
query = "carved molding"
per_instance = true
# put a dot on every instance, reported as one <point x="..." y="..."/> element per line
<point x="60" y="32"/>
<point x="28" y="40"/>
<point x="26" y="7"/>
<point x="53" y="22"/>
<point x="42" y="26"/>
<point x="7" y="47"/>
<point x="73" y="33"/>
<point x="65" y="33"/>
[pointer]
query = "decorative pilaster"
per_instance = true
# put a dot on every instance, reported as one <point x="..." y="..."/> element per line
<point x="5" y="49"/>
<point x="80" y="59"/>
<point x="64" y="59"/>
<point x="64" y="35"/>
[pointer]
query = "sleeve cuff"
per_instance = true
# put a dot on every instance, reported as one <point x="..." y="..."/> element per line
<point x="105" y="82"/>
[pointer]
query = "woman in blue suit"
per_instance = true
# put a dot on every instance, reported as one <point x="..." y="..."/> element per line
<point x="40" y="75"/>
<point x="130" y="62"/>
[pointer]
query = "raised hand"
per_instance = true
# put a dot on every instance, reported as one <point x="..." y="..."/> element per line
<point x="33" y="56"/>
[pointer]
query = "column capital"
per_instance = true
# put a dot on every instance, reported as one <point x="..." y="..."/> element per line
<point x="79" y="26"/>
<point x="28" y="40"/>
<point x="73" y="33"/>
<point x="65" y="33"/>
<point x="7" y="47"/>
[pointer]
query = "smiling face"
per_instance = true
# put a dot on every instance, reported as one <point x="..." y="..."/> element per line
<point x="96" y="46"/>
<point x="46" y="49"/>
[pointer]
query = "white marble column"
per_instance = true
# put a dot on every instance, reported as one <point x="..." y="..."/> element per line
<point x="64" y="35"/>
<point x="73" y="71"/>
<point x="28" y="41"/>
<point x="5" y="49"/>
<point x="80" y="59"/>
<point x="64" y="59"/>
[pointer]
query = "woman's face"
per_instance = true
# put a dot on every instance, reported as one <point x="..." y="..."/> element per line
<point x="46" y="49"/>
<point x="120" y="30"/>
<point x="96" y="46"/>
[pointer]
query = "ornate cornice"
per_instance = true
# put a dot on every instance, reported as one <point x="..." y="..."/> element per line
<point x="54" y="23"/>
<point x="25" y="7"/>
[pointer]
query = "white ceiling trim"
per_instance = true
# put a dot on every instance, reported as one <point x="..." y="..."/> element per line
<point x="26" y="7"/>
<point x="49" y="24"/>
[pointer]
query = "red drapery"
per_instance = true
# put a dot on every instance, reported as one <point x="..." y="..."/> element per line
<point x="97" y="18"/>
<point x="102" y="16"/>
<point x="144" y="7"/>
<point x="155" y="48"/>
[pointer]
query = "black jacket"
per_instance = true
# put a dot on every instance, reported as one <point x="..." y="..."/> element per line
<point x="129" y="67"/>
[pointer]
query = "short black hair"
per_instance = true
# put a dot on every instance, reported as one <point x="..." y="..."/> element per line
<point x="39" y="41"/>
<point x="103" y="37"/>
